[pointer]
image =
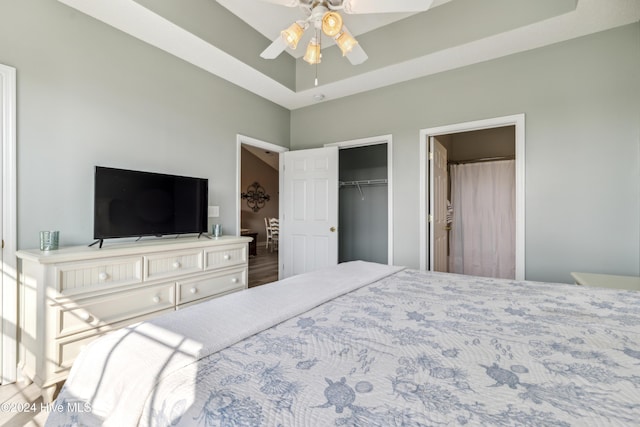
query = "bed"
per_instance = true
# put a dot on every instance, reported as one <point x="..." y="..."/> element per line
<point x="364" y="344"/>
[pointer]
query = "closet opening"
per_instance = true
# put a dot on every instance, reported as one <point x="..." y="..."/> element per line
<point x="362" y="204"/>
<point x="365" y="213"/>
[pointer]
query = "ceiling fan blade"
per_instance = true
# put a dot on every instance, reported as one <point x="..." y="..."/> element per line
<point x="386" y="6"/>
<point x="276" y="48"/>
<point x="288" y="3"/>
<point x="357" y="55"/>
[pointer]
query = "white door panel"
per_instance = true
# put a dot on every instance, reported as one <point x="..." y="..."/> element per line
<point x="309" y="237"/>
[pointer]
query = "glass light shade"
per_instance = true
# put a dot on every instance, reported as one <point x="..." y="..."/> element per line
<point x="346" y="42"/>
<point x="313" y="54"/>
<point x="331" y="23"/>
<point x="292" y="35"/>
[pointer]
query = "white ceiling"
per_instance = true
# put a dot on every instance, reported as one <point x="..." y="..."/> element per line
<point x="271" y="158"/>
<point x="589" y="16"/>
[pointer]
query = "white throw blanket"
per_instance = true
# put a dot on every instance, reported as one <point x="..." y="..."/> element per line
<point x="117" y="373"/>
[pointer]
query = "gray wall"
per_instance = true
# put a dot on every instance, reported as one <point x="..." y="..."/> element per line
<point x="582" y="104"/>
<point x="91" y="95"/>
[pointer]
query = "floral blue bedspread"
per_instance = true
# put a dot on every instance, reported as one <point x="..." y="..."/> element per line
<point x="425" y="349"/>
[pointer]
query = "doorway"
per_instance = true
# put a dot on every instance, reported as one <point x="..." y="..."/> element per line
<point x="494" y="141"/>
<point x="258" y="210"/>
<point x="365" y="201"/>
<point x="473" y="225"/>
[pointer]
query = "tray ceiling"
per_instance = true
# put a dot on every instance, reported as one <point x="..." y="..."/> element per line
<point x="401" y="47"/>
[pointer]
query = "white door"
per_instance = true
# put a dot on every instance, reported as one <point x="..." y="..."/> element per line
<point x="439" y="228"/>
<point x="309" y="226"/>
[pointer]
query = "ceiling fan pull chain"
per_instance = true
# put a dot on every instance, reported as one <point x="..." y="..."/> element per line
<point x="319" y="35"/>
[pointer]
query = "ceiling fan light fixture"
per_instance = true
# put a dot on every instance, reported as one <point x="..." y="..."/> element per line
<point x="292" y="35"/>
<point x="313" y="54"/>
<point x="331" y="23"/>
<point x="345" y="42"/>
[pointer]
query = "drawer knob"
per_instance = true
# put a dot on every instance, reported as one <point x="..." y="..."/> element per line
<point x="176" y="264"/>
<point x="85" y="316"/>
<point x="103" y="276"/>
<point x="156" y="299"/>
<point x="234" y="280"/>
<point x="227" y="257"/>
<point x="193" y="290"/>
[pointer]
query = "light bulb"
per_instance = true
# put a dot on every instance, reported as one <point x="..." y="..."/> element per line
<point x="346" y="42"/>
<point x="313" y="54"/>
<point x="331" y="23"/>
<point x="292" y="35"/>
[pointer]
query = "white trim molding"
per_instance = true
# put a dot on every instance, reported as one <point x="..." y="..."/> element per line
<point x="517" y="120"/>
<point x="8" y="309"/>
<point x="375" y="140"/>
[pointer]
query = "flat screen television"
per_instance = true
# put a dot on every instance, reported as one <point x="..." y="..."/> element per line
<point x="130" y="203"/>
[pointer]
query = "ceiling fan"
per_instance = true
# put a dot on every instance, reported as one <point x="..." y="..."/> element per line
<point x="325" y="18"/>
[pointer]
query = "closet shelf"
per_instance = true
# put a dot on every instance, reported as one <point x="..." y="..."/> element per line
<point x="363" y="182"/>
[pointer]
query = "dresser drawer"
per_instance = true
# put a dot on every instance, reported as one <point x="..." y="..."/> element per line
<point x="172" y="264"/>
<point x="209" y="285"/>
<point x="94" y="312"/>
<point x="225" y="256"/>
<point x="68" y="348"/>
<point x="73" y="278"/>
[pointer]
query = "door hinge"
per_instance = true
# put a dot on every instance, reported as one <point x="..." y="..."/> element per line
<point x="2" y="243"/>
<point x="430" y="155"/>
<point x="430" y="218"/>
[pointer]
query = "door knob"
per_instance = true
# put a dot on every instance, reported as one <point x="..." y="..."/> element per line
<point x="332" y="229"/>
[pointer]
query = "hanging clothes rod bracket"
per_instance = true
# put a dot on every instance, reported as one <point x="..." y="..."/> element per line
<point x="360" y="190"/>
<point x="361" y="183"/>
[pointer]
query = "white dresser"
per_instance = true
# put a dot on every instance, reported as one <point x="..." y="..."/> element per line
<point x="69" y="297"/>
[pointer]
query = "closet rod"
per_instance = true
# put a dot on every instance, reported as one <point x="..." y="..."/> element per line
<point x="363" y="182"/>
<point x="484" y="159"/>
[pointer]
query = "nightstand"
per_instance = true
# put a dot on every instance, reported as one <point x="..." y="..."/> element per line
<point x="607" y="281"/>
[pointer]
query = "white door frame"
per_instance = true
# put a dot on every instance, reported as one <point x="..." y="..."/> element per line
<point x="243" y="139"/>
<point x="375" y="140"/>
<point x="516" y="120"/>
<point x="9" y="295"/>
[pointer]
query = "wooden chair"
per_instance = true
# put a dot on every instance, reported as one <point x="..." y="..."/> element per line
<point x="267" y="227"/>
<point x="274" y="225"/>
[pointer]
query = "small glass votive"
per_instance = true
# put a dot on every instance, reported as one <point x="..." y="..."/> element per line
<point x="49" y="240"/>
<point x="216" y="230"/>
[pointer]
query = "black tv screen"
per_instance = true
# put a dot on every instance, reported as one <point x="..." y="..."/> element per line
<point x="133" y="203"/>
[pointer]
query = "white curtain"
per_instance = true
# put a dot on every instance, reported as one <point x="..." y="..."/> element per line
<point x="482" y="239"/>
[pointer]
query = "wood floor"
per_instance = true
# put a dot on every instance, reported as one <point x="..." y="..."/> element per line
<point x="21" y="405"/>
<point x="263" y="268"/>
